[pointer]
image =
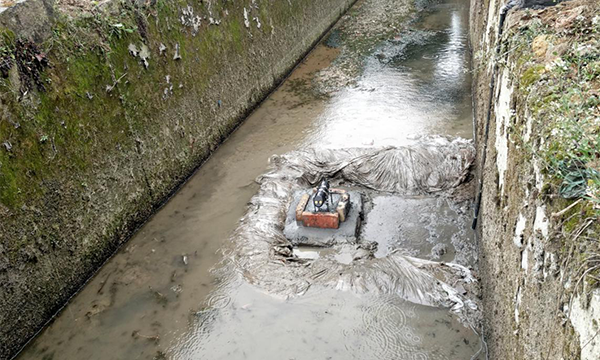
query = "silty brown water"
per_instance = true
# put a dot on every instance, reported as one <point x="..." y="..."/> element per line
<point x="157" y="298"/>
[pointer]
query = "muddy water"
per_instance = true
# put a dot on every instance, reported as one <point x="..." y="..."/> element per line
<point x="423" y="227"/>
<point x="157" y="298"/>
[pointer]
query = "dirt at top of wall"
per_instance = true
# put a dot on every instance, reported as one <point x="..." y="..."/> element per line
<point x="79" y="5"/>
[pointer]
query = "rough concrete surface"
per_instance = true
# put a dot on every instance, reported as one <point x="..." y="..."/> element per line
<point x="530" y="259"/>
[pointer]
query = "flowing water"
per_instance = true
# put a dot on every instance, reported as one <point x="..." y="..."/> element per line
<point x="157" y="298"/>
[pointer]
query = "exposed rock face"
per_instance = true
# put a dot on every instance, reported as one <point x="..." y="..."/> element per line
<point x="105" y="109"/>
<point x="31" y="19"/>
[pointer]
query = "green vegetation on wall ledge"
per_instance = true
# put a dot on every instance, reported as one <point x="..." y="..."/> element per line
<point x="110" y="58"/>
<point x="560" y="73"/>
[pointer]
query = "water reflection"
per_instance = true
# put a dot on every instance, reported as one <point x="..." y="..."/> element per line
<point x="406" y="90"/>
<point x="423" y="89"/>
<point x="324" y="324"/>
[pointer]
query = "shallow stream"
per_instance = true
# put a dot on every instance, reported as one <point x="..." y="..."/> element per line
<point x="157" y="298"/>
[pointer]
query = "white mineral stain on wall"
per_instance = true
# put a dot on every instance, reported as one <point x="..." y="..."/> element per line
<point x="525" y="257"/>
<point x="246" y="20"/>
<point x="519" y="229"/>
<point x="550" y="264"/>
<point x="503" y="114"/>
<point x="541" y="222"/>
<point x="586" y="323"/>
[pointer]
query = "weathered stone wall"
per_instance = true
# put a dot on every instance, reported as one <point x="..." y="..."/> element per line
<point x="106" y="110"/>
<point x="534" y="248"/>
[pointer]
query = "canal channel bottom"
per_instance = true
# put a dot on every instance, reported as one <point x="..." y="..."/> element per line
<point x="147" y="302"/>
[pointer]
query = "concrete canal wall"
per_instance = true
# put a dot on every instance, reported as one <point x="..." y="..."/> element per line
<point x="106" y="108"/>
<point x="538" y="222"/>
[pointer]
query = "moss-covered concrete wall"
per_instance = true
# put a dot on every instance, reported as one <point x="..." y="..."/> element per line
<point x="105" y="110"/>
<point x="538" y="223"/>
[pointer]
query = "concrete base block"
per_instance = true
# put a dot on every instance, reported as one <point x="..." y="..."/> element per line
<point x="346" y="233"/>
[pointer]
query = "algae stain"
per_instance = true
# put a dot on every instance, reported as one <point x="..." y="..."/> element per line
<point x="531" y="76"/>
